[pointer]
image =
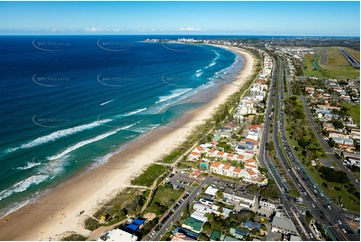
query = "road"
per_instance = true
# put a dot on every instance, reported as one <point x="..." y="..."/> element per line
<point x="326" y="147"/>
<point x="324" y="211"/>
<point x="164" y="226"/>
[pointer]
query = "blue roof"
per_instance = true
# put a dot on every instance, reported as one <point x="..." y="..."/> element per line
<point x="132" y="227"/>
<point x="186" y="232"/>
<point x="241" y="232"/>
<point x="138" y="221"/>
<point x="252" y="225"/>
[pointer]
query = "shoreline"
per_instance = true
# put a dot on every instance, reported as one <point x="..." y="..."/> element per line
<point x="55" y="213"/>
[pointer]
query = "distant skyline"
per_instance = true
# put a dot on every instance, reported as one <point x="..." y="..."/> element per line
<point x="191" y="18"/>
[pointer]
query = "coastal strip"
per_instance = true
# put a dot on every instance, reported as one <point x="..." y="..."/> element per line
<point x="55" y="212"/>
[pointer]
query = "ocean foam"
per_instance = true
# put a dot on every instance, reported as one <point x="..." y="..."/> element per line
<point x="174" y="94"/>
<point x="199" y="74"/>
<point x="28" y="165"/>
<point x="107" y="102"/>
<point x="134" y="112"/>
<point x="57" y="135"/>
<point x="86" y="142"/>
<point x="23" y="185"/>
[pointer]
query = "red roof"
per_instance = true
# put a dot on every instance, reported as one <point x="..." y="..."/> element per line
<point x="240" y="157"/>
<point x="195" y="173"/>
<point x="250" y="160"/>
<point x="200" y="148"/>
<point x="226" y="167"/>
<point x="250" y="171"/>
<point x="254" y="126"/>
<point x="211" y="151"/>
<point x="237" y="169"/>
<point x="216" y="164"/>
<point x="194" y="153"/>
<point x="220" y="153"/>
<point x="250" y="165"/>
<point x="251" y="140"/>
<point x="230" y="155"/>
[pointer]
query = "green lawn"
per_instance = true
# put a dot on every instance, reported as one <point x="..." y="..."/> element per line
<point x="335" y="57"/>
<point x="350" y="201"/>
<point x="354" y="53"/>
<point x="149" y="175"/>
<point x="337" y="68"/>
<point x="354" y="111"/>
<point x="163" y="199"/>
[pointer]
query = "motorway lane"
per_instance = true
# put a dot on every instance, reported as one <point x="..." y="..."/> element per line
<point x="324" y="213"/>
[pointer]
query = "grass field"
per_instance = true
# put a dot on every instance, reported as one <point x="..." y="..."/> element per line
<point x="336" y="191"/>
<point x="114" y="207"/>
<point x="165" y="196"/>
<point x="149" y="175"/>
<point x="336" y="66"/>
<point x="335" y="57"/>
<point x="354" y="53"/>
<point x="354" y="111"/>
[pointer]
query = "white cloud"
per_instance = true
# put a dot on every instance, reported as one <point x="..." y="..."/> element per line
<point x="92" y="29"/>
<point x="190" y="29"/>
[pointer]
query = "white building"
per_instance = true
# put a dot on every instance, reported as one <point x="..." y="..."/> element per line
<point x="118" y="235"/>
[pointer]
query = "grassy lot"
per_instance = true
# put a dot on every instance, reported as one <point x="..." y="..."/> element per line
<point x="164" y="198"/>
<point x="74" y="237"/>
<point x="354" y="53"/>
<point x="126" y="201"/>
<point x="149" y="175"/>
<point x="308" y="61"/>
<point x="354" y="111"/>
<point x="338" y="69"/>
<point x="336" y="191"/>
<point x="335" y="57"/>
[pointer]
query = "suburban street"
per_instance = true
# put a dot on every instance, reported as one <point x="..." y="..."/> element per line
<point x="326" y="147"/>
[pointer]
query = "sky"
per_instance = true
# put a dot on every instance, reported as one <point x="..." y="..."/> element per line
<point x="198" y="18"/>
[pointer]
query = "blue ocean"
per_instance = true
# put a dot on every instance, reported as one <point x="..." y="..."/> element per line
<point x="69" y="101"/>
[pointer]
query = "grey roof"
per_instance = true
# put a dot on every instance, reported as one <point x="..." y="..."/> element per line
<point x="284" y="224"/>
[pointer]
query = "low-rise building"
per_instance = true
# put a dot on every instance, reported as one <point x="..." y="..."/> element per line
<point x="118" y="235"/>
<point x="193" y="224"/>
<point x="283" y="225"/>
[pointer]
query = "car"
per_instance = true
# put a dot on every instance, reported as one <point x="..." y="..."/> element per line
<point x="344" y="231"/>
<point x="311" y="236"/>
<point x="339" y="222"/>
<point x="313" y="205"/>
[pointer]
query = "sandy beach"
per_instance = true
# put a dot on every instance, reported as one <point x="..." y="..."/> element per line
<point x="55" y="213"/>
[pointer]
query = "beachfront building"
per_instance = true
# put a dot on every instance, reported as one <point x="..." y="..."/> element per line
<point x="212" y="153"/>
<point x="249" y="172"/>
<point x="118" y="235"/>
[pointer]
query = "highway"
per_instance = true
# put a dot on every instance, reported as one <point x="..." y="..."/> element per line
<point x="326" y="147"/>
<point x="267" y="162"/>
<point x="324" y="211"/>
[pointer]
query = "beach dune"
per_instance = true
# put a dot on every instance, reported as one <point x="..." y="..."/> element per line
<point x="55" y="212"/>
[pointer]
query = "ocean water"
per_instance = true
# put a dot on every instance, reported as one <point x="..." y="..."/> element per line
<point x="68" y="102"/>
